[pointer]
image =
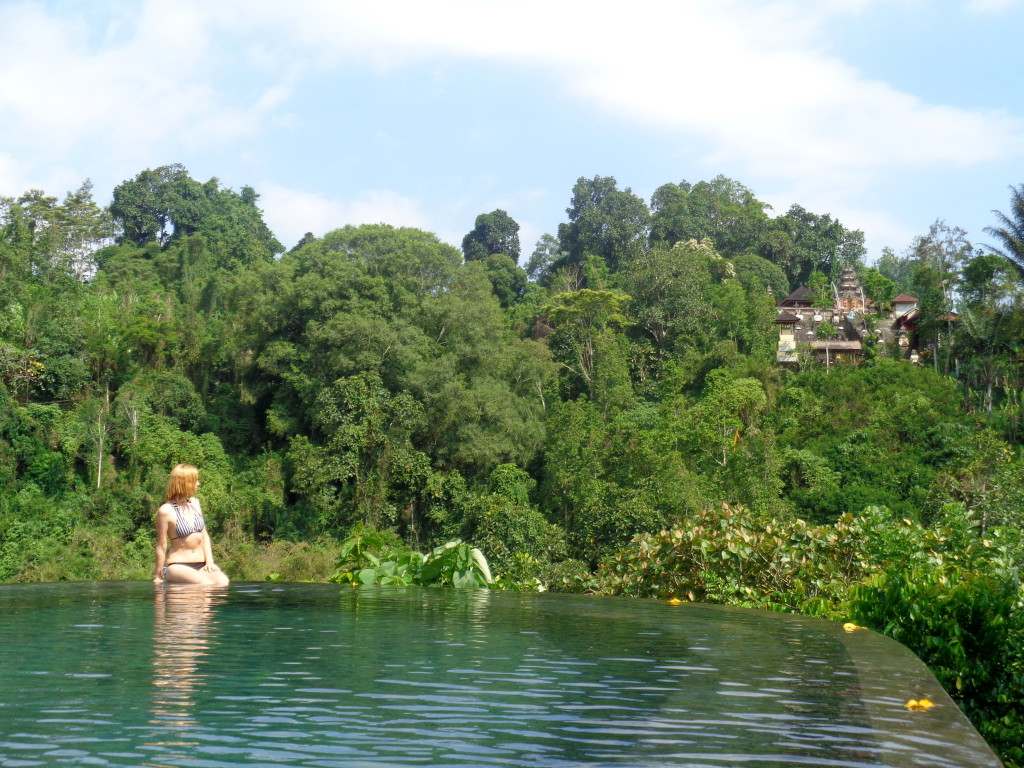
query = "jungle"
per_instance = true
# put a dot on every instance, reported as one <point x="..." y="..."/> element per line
<point x="604" y="414"/>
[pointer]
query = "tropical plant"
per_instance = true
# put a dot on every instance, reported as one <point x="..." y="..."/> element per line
<point x="1010" y="232"/>
<point x="372" y="557"/>
<point x="966" y="623"/>
<point x="731" y="555"/>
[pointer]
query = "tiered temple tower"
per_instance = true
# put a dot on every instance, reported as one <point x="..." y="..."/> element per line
<point x="851" y="295"/>
<point x="798" y="322"/>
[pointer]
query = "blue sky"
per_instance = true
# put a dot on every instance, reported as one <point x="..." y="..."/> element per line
<point x="887" y="114"/>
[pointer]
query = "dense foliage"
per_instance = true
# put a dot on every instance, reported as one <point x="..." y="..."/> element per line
<point x="375" y="405"/>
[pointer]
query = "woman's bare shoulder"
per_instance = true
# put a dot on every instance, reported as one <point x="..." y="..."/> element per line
<point x="165" y="509"/>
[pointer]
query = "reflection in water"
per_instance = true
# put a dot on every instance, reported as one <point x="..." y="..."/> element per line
<point x="183" y="639"/>
<point x="321" y="676"/>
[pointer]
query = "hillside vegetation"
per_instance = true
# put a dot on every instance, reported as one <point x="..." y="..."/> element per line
<point x="608" y="418"/>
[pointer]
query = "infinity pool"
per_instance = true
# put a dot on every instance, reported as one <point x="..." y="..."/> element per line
<point x="117" y="674"/>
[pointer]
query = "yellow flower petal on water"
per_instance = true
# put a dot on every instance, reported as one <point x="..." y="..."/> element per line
<point x="919" y="705"/>
<point x="851" y="627"/>
<point x="675" y="601"/>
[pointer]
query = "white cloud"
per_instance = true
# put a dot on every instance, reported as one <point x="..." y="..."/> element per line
<point x="881" y="228"/>
<point x="753" y="80"/>
<point x="756" y="85"/>
<point x="290" y="213"/>
<point x="13" y="176"/>
<point x="150" y="88"/>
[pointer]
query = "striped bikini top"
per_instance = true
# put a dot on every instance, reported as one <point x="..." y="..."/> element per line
<point x="183" y="526"/>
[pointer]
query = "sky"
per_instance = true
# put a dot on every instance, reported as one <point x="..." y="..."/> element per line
<point x="885" y="114"/>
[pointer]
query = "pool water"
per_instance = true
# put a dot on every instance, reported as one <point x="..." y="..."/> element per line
<point x="118" y="674"/>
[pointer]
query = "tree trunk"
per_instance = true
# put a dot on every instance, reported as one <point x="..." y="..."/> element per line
<point x="101" y="428"/>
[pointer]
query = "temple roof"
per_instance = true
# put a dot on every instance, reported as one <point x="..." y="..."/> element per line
<point x="907" y="317"/>
<point x="799" y="296"/>
<point x="905" y="298"/>
<point x="837" y="345"/>
<point x="787" y="317"/>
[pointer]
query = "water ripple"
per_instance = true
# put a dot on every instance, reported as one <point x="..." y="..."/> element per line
<point x="315" y="675"/>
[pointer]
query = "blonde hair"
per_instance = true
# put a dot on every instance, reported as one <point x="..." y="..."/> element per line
<point x="182" y="483"/>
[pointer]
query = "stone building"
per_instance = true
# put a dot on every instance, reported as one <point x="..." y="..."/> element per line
<point x="838" y="334"/>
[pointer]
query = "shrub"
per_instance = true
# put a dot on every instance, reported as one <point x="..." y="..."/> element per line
<point x="455" y="564"/>
<point x="733" y="556"/>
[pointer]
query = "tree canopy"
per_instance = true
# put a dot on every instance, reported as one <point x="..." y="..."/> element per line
<point x="377" y="385"/>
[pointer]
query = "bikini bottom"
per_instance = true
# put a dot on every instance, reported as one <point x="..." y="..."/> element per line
<point x="193" y="566"/>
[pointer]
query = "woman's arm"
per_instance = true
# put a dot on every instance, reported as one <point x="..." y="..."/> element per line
<point x="161" y="544"/>
<point x="207" y="545"/>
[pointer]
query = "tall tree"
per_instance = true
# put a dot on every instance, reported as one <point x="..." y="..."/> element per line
<point x="1010" y="232"/>
<point x="604" y="221"/>
<point x="546" y="254"/>
<point x="985" y="340"/>
<point x="670" y="289"/>
<point x="85" y="227"/>
<point x="826" y="332"/>
<point x="898" y="269"/>
<point x="937" y="257"/>
<point x="494" y="232"/>
<point x="159" y="204"/>
<point x="581" y="321"/>
<point x="721" y="210"/>
<point x="757" y="273"/>
<point x="879" y="288"/>
<point x="801" y="242"/>
<point x="235" y="224"/>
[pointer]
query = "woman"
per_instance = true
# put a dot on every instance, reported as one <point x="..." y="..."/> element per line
<point x="180" y="520"/>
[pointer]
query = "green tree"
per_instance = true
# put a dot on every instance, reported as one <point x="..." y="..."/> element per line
<point x="670" y="288"/>
<point x="1010" y="232"/>
<point x="580" y="320"/>
<point x="85" y="227"/>
<point x="729" y="408"/>
<point x="604" y="221"/>
<point x="721" y="210"/>
<point x="898" y="269"/>
<point x="50" y="239"/>
<point x="508" y="281"/>
<point x="886" y="428"/>
<point x="821" y="290"/>
<point x="494" y="232"/>
<point x="879" y="288"/>
<point x="981" y="332"/>
<point x="546" y="254"/>
<point x="158" y="205"/>
<point x="609" y="474"/>
<point x="369" y="460"/>
<point x="826" y="332"/>
<point x="234" y="228"/>
<point x="759" y="274"/>
<point x="937" y="258"/>
<point x="802" y="242"/>
<point x="986" y="341"/>
<point x="988" y="279"/>
<point x="482" y="389"/>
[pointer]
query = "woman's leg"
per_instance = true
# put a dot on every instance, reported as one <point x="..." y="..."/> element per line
<point x="178" y="573"/>
<point x="218" y="578"/>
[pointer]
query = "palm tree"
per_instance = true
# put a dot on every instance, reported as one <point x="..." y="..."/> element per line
<point x="1011" y="232"/>
<point x="826" y="331"/>
<point x="981" y="332"/>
